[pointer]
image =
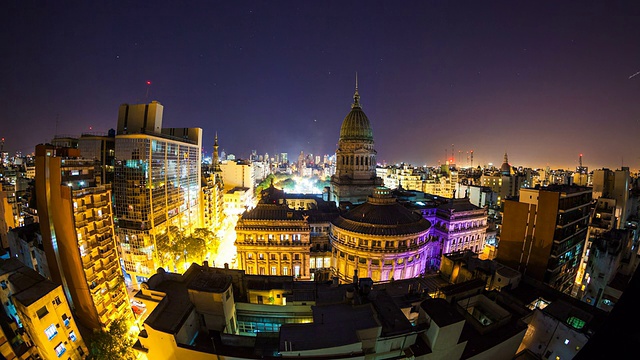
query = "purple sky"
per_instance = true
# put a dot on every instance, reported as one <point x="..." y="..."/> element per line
<point x="542" y="80"/>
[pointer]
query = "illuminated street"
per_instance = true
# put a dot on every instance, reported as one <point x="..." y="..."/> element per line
<point x="227" y="250"/>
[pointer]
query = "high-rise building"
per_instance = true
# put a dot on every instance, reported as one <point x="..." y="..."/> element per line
<point x="101" y="149"/>
<point x="156" y="186"/>
<point x="543" y="234"/>
<point x="616" y="185"/>
<point x="77" y="227"/>
<point x="238" y="174"/>
<point x="355" y="177"/>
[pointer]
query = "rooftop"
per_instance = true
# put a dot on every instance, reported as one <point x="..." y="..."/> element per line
<point x="338" y="325"/>
<point x="29" y="286"/>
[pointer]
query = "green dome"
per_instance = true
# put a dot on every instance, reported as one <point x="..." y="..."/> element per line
<point x="356" y="125"/>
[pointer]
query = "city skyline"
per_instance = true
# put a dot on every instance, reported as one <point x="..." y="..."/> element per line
<point x="542" y="81"/>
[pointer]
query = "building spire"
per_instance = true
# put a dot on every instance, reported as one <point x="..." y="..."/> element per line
<point x="356" y="96"/>
<point x="216" y="161"/>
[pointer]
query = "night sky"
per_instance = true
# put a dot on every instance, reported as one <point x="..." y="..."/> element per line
<point x="542" y="80"/>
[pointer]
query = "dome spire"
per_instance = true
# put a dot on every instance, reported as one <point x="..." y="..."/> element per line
<point x="356" y="96"/>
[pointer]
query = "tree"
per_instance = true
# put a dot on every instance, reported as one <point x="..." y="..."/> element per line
<point x="194" y="248"/>
<point x="211" y="241"/>
<point x="114" y="343"/>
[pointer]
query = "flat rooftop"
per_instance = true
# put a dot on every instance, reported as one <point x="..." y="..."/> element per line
<point x="338" y="325"/>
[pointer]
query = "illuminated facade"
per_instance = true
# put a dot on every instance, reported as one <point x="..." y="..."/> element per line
<point x="273" y="239"/>
<point x="78" y="236"/>
<point x="238" y="174"/>
<point x="156" y="186"/>
<point x="458" y="225"/>
<point x="41" y="308"/>
<point x="381" y="239"/>
<point x="355" y="175"/>
<point x="442" y="183"/>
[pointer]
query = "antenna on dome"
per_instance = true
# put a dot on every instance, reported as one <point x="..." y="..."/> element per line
<point x="356" y="81"/>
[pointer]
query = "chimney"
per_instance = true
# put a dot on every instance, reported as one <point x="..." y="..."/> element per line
<point x="205" y="264"/>
<point x="226" y="265"/>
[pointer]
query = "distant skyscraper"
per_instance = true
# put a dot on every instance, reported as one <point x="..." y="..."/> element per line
<point x="355" y="176"/>
<point x="156" y="187"/>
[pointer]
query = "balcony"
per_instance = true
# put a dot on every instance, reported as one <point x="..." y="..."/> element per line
<point x="112" y="275"/>
<point x="87" y="262"/>
<point x="109" y="262"/>
<point x="106" y="241"/>
<point x="106" y="228"/>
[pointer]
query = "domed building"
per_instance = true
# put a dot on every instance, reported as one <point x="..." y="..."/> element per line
<point x="355" y="176"/>
<point x="505" y="169"/>
<point x="381" y="239"/>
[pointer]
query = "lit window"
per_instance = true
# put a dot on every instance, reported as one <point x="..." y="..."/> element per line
<point x="72" y="336"/>
<point x="566" y="341"/>
<point x="51" y="331"/>
<point x="60" y="349"/>
<point x="66" y="320"/>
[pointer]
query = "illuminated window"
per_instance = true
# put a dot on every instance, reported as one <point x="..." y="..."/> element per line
<point x="51" y="331"/>
<point x="575" y="322"/>
<point x="72" y="336"/>
<point x="60" y="349"/>
<point x="66" y="320"/>
<point x="566" y="341"/>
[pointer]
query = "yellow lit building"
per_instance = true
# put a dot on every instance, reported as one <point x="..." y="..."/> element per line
<point x="42" y="309"/>
<point x="273" y="239"/>
<point x="77" y="227"/>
